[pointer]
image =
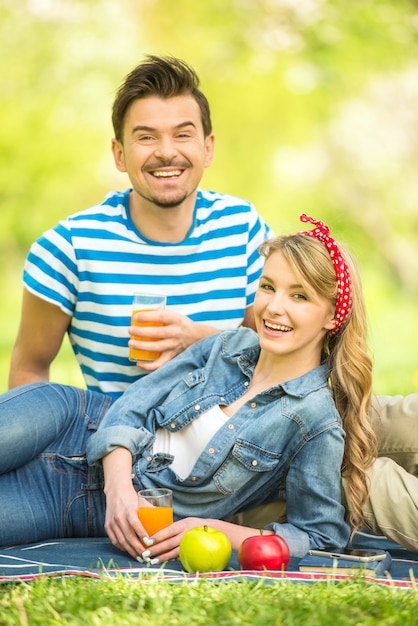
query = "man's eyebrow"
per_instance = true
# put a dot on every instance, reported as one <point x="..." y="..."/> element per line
<point x="142" y="127"/>
<point x="186" y="123"/>
<point x="151" y="129"/>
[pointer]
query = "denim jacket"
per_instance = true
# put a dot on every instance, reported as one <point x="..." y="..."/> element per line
<point x="286" y="443"/>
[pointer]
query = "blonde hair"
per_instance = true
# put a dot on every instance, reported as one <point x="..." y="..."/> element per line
<point x="347" y="354"/>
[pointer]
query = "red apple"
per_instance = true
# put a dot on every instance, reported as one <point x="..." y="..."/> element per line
<point x="263" y="552"/>
<point x="204" y="549"/>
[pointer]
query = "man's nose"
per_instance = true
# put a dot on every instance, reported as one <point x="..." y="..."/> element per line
<point x="166" y="149"/>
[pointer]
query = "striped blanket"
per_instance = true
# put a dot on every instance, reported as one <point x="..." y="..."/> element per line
<point x="97" y="557"/>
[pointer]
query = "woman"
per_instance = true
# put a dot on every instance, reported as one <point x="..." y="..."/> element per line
<point x="235" y="421"/>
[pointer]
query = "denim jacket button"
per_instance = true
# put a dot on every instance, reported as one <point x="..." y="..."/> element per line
<point x="197" y="407"/>
<point x="230" y="426"/>
<point x="253" y="405"/>
<point x="172" y="425"/>
<point x="254" y="463"/>
<point x="246" y="383"/>
<point x="211" y="450"/>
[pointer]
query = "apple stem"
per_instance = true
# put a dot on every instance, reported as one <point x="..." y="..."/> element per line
<point x="261" y="531"/>
<point x="205" y="528"/>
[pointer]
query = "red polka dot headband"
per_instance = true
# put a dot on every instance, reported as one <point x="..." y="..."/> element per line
<point x="343" y="305"/>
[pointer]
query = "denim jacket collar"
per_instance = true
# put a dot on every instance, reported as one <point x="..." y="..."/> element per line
<point x="299" y="387"/>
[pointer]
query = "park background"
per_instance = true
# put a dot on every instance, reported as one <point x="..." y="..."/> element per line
<point x="314" y="106"/>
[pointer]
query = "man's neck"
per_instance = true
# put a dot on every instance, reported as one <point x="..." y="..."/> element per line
<point x="165" y="225"/>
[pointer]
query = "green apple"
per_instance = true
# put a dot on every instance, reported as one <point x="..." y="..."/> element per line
<point x="204" y="549"/>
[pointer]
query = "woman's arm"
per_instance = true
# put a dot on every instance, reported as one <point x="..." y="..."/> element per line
<point x="122" y="523"/>
<point x="313" y="496"/>
<point x="124" y="528"/>
<point x="125" y="423"/>
<point x="315" y="515"/>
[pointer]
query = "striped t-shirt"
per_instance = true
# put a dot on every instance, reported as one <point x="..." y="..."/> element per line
<point x="91" y="263"/>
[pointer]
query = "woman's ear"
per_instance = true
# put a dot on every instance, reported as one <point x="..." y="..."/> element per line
<point x="331" y="324"/>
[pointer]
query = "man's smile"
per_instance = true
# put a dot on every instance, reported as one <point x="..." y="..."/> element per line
<point x="166" y="173"/>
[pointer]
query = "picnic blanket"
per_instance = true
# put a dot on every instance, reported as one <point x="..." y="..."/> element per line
<point x="97" y="557"/>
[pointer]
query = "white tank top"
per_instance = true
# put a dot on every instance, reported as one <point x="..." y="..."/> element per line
<point x="186" y="445"/>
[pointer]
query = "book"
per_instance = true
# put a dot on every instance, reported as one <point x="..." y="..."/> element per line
<point x="374" y="564"/>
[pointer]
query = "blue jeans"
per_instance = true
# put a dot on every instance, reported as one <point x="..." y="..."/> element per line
<point x="47" y="489"/>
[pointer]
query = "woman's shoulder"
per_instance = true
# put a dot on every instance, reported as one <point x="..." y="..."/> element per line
<point x="312" y="398"/>
<point x="236" y="340"/>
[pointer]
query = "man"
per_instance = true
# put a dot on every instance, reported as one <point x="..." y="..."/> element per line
<point x="166" y="235"/>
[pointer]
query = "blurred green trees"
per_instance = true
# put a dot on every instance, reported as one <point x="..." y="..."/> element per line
<point x="315" y="109"/>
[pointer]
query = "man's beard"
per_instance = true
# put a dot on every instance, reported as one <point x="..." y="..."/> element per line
<point x="166" y="203"/>
<point x="169" y="204"/>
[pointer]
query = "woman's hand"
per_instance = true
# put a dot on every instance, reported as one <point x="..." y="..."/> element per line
<point x="166" y="542"/>
<point x="122" y="524"/>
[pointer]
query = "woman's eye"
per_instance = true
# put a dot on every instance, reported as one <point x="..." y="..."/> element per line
<point x="266" y="286"/>
<point x="300" y="296"/>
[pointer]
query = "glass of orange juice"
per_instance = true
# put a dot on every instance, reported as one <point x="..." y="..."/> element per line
<point x="157" y="510"/>
<point x="145" y="302"/>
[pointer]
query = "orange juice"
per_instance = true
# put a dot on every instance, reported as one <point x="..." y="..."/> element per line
<point x="143" y="355"/>
<point x="154" y="518"/>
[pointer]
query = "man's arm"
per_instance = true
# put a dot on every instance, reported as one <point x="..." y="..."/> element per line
<point x="249" y="318"/>
<point x="39" y="338"/>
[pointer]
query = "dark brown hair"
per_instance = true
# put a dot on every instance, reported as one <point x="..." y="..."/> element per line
<point x="164" y="77"/>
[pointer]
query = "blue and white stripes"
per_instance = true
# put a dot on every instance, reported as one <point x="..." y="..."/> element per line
<point x="91" y="263"/>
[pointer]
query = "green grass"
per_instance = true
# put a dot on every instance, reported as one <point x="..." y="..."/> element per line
<point x="121" y="602"/>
